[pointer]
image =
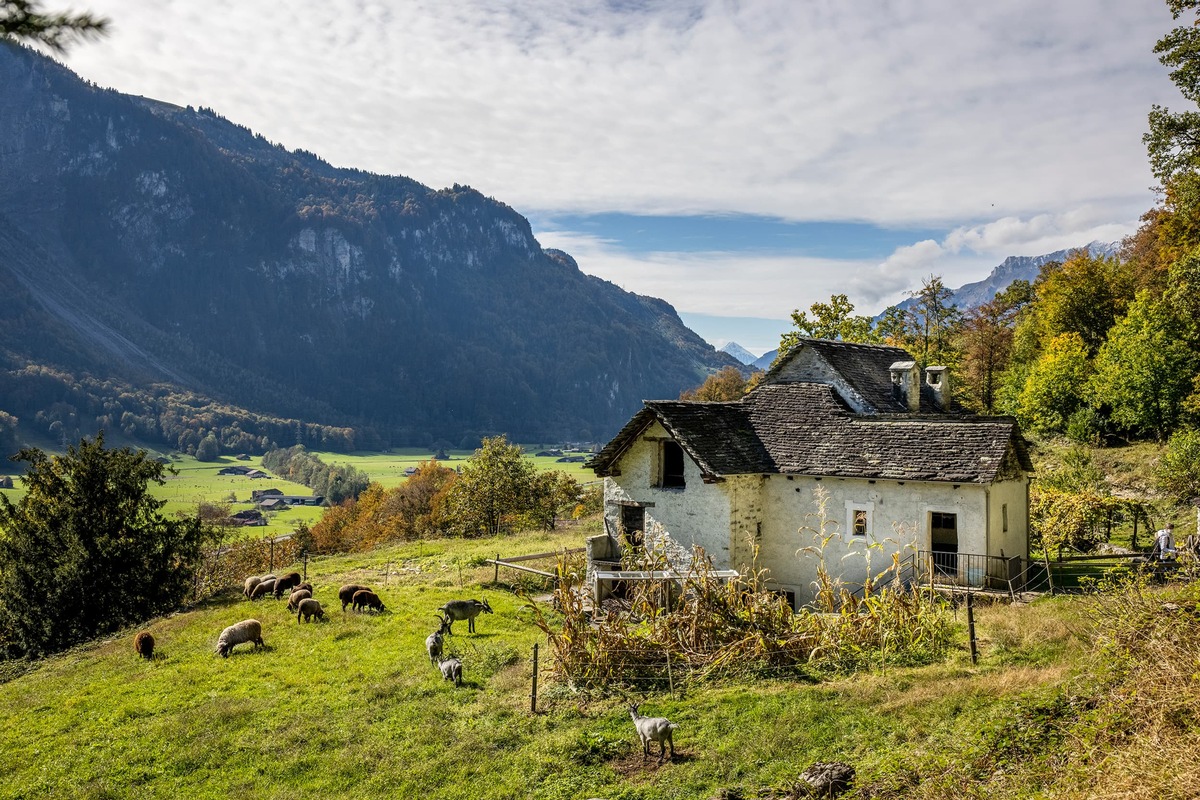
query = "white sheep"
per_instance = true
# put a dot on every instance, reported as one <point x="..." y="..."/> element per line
<point x="308" y="607"/>
<point x="451" y="670"/>
<point x="248" y="630"/>
<point x="653" y="729"/>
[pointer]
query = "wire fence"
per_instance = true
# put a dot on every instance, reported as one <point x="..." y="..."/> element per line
<point x="227" y="566"/>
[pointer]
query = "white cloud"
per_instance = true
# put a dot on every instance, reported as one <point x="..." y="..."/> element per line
<point x="916" y="110"/>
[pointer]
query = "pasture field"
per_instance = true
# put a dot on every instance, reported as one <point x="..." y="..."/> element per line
<point x="198" y="482"/>
<point x="352" y="708"/>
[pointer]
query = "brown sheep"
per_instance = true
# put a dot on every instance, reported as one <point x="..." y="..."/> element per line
<point x="295" y="597"/>
<point x="143" y="645"/>
<point x="346" y="593"/>
<point x="310" y="608"/>
<point x="263" y="589"/>
<point x="286" y="584"/>
<point x="365" y="598"/>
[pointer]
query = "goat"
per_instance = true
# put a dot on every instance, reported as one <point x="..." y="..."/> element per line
<point x="434" y="641"/>
<point x="464" y="609"/>
<point x="653" y="729"/>
<point x="451" y="670"/>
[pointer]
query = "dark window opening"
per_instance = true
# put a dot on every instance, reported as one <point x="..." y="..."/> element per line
<point x="672" y="466"/>
<point x="633" y="525"/>
<point x="860" y="522"/>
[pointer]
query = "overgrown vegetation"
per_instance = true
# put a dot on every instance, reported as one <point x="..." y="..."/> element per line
<point x="335" y="482"/>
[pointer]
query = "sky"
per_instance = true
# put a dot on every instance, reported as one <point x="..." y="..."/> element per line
<point x="740" y="159"/>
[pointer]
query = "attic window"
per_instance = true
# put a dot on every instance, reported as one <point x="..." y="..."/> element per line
<point x="672" y="466"/>
<point x="859" y="518"/>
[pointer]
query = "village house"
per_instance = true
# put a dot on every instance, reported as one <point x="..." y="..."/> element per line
<point x="842" y="455"/>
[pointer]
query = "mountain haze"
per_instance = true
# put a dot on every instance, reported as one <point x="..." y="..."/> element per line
<point x="151" y="253"/>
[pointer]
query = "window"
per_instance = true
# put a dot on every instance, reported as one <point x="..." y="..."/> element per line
<point x="672" y="466"/>
<point x="859" y="518"/>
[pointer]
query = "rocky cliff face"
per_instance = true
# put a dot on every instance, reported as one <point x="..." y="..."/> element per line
<point x="159" y="244"/>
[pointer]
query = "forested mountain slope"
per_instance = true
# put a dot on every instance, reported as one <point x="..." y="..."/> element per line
<point x="151" y="253"/>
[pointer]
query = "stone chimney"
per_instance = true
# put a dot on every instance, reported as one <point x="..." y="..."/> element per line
<point x="906" y="384"/>
<point x="938" y="379"/>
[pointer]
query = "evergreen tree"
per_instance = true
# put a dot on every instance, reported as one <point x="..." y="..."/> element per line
<point x="87" y="550"/>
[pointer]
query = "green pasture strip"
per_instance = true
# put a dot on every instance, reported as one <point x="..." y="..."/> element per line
<point x="387" y="468"/>
<point x="352" y="708"/>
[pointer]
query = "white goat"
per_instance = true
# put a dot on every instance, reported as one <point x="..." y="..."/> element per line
<point x="653" y="729"/>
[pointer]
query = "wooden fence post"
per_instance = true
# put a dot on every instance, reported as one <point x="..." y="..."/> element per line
<point x="496" y="575"/>
<point x="533" y="691"/>
<point x="971" y="627"/>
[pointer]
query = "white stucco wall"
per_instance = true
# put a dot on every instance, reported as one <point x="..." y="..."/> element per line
<point x="780" y="515"/>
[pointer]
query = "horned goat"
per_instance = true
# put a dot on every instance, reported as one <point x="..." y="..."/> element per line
<point x="464" y="609"/>
<point x="434" y="641"/>
<point x="248" y="630"/>
<point x="653" y="729"/>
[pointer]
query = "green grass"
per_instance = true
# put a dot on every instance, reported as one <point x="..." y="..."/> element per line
<point x="351" y="708"/>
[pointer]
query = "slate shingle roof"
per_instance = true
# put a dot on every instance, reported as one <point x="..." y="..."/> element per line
<point x="803" y="429"/>
<point x="866" y="367"/>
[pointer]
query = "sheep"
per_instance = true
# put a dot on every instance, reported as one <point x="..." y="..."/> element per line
<point x="309" y="607"/>
<point x="295" y="597"/>
<point x="143" y="645"/>
<point x="464" y="609"/>
<point x="451" y="670"/>
<point x="365" y="598"/>
<point x="263" y="589"/>
<point x="346" y="594"/>
<point x="248" y="630"/>
<point x="286" y="583"/>
<point x="252" y="581"/>
<point x="653" y="729"/>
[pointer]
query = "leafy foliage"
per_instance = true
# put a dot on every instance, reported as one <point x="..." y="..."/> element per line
<point x="335" y="482"/>
<point x="1177" y="473"/>
<point x="832" y="320"/>
<point x="87" y="551"/>
<point x="727" y="384"/>
<point x="492" y="491"/>
<point x="1054" y="387"/>
<point x="25" y="20"/>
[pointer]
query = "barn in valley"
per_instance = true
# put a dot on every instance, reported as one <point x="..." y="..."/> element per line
<point x="844" y="454"/>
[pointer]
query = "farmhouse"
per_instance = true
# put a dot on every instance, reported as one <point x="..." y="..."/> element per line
<point x="841" y="456"/>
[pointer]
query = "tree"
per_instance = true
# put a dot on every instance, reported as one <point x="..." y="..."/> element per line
<point x="832" y="320"/>
<point x="986" y="340"/>
<point x="1143" y="371"/>
<point x="1178" y="471"/>
<point x="1173" y="141"/>
<point x="927" y="328"/>
<point x="87" y="550"/>
<point x="727" y="384"/>
<point x="1085" y="294"/>
<point x="209" y="448"/>
<point x="1054" y="387"/>
<point x="25" y="20"/>
<point x="552" y="494"/>
<point x="492" y="489"/>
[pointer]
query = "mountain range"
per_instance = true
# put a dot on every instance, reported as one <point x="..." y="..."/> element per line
<point x="174" y="275"/>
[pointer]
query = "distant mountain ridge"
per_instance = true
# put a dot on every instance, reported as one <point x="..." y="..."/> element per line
<point x="159" y="252"/>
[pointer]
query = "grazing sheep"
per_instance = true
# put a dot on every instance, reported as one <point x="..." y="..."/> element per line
<point x="653" y="729"/>
<point x="286" y="584"/>
<point x="305" y="585"/>
<point x="143" y="645"/>
<point x="309" y="607"/>
<point x="295" y="597"/>
<point x="346" y="593"/>
<point x="252" y="581"/>
<point x="263" y="589"/>
<point x="465" y="609"/>
<point x="365" y="598"/>
<point x="451" y="670"/>
<point x="248" y="630"/>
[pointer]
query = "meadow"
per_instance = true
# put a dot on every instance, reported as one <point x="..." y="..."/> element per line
<point x="352" y="708"/>
<point x="198" y="481"/>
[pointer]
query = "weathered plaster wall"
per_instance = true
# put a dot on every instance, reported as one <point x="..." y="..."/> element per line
<point x="699" y="513"/>
<point x="1014" y="541"/>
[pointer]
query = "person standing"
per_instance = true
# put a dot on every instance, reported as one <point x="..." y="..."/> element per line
<point x="1164" y="543"/>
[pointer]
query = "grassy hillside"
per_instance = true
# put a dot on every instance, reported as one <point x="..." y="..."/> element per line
<point x="352" y="708"/>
